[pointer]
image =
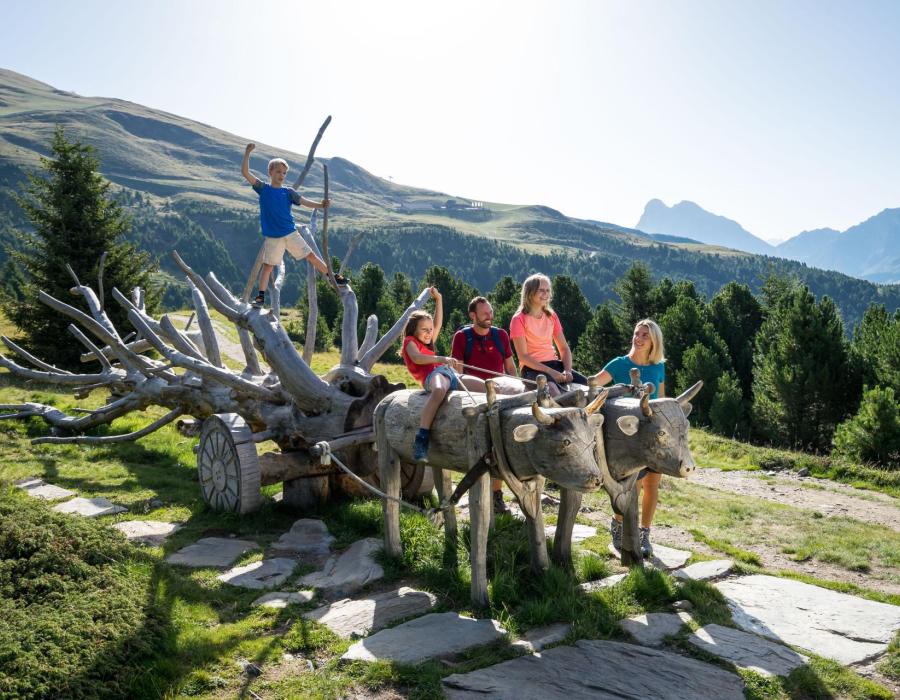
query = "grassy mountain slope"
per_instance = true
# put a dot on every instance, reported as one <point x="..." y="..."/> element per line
<point x="181" y="181"/>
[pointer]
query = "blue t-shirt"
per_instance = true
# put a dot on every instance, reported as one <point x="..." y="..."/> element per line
<point x="275" y="216"/>
<point x="621" y="366"/>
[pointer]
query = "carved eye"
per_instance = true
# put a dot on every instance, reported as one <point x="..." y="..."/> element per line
<point x="566" y="443"/>
<point x="661" y="434"/>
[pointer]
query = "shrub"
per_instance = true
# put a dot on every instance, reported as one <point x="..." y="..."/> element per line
<point x="873" y="434"/>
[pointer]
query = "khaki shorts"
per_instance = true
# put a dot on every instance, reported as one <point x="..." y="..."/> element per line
<point x="293" y="243"/>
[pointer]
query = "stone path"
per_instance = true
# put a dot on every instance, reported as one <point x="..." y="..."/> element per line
<point x="835" y="625"/>
<point x="39" y="489"/>
<point x="357" y="618"/>
<point x="600" y="670"/>
<point x="216" y="552"/>
<point x="89" y="507"/>
<point x="152" y="532"/>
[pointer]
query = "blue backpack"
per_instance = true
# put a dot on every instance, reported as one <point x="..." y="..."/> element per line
<point x="470" y="340"/>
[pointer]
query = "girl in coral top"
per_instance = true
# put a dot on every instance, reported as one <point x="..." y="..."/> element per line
<point x="438" y="375"/>
<point x="534" y="330"/>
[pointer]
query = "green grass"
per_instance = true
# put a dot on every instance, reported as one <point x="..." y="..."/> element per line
<point x="711" y="450"/>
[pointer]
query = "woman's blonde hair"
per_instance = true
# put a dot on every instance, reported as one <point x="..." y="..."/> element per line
<point x="412" y="324"/>
<point x="529" y="289"/>
<point x="658" y="351"/>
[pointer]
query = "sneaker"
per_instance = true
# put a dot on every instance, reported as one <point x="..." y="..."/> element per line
<point x="420" y="447"/>
<point x="500" y="506"/>
<point x="259" y="300"/>
<point x="615" y="531"/>
<point x="342" y="280"/>
<point x="646" y="547"/>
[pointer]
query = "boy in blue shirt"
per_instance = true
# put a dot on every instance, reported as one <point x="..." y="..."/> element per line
<point x="277" y="222"/>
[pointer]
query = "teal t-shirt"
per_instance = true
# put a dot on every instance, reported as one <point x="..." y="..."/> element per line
<point x="620" y="367"/>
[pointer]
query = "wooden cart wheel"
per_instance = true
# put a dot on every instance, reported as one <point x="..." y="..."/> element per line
<point x="227" y="465"/>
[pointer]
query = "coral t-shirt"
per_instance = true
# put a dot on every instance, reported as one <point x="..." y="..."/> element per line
<point x="538" y="334"/>
<point x="419" y="372"/>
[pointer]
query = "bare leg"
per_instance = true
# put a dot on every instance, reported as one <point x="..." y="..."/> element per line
<point x="439" y="387"/>
<point x="650" y="497"/>
<point x="264" y="276"/>
<point x="471" y="383"/>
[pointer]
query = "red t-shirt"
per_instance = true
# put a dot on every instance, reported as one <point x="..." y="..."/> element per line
<point x="419" y="372"/>
<point x="485" y="353"/>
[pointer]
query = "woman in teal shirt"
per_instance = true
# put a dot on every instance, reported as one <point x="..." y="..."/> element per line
<point x="647" y="354"/>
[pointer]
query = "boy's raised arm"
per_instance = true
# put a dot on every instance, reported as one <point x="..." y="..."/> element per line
<point x="245" y="164"/>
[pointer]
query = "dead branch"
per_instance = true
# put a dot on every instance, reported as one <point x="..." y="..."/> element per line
<point x="207" y="332"/>
<point x="371" y="335"/>
<point x="373" y="355"/>
<point x="229" y="312"/>
<point x="311" y="156"/>
<point x="100" y="277"/>
<point x="107" y="439"/>
<point x="350" y="248"/>
<point x="68" y="379"/>
<point x="93" y="350"/>
<point x="25" y="355"/>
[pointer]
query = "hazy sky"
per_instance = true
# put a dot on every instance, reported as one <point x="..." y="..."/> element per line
<point x="781" y="115"/>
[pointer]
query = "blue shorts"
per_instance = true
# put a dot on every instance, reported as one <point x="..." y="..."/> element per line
<point x="447" y="372"/>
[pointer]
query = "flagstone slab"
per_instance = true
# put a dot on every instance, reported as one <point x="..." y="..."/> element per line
<point x="835" y="625"/>
<point x="599" y="584"/>
<point x="747" y="651"/>
<point x="348" y="618"/>
<point x="428" y="637"/>
<point x="537" y="638"/>
<point x="579" y="532"/>
<point x="89" y="507"/>
<point x="152" y="532"/>
<point x="347" y="573"/>
<point x="217" y="552"/>
<point x="597" y="670"/>
<point x="267" y="573"/>
<point x="651" y="629"/>
<point x="705" y="570"/>
<point x="665" y="558"/>
<point x="40" y="489"/>
<point x="308" y="540"/>
<point x="281" y="599"/>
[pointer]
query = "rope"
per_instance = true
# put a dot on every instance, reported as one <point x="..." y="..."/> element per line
<point x="499" y="374"/>
<point x="327" y="456"/>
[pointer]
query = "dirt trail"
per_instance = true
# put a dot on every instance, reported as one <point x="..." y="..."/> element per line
<point x="827" y="497"/>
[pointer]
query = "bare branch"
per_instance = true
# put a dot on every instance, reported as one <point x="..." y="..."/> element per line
<point x="210" y="342"/>
<point x="223" y="308"/>
<point x="94" y="351"/>
<point x="371" y="335"/>
<point x="311" y="156"/>
<point x="25" y="355"/>
<point x="106" y="439"/>
<point x="74" y="276"/>
<point x="349" y="343"/>
<point x="250" y="355"/>
<point x="373" y="355"/>
<point x="221" y="291"/>
<point x="100" y="277"/>
<point x="181" y="342"/>
<point x="312" y="313"/>
<point x="58" y="419"/>
<point x="190" y="320"/>
<point x="58" y="378"/>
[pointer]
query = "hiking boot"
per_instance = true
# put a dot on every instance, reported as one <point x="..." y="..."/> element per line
<point x="341" y="280"/>
<point x="420" y="447"/>
<point x="500" y="506"/>
<point x="646" y="547"/>
<point x="615" y="531"/>
<point x="259" y="300"/>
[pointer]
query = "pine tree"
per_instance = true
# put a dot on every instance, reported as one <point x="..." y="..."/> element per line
<point x="700" y="362"/>
<point x="876" y="348"/>
<point x="726" y="415"/>
<point x="75" y="220"/>
<point x="572" y="307"/>
<point x="873" y="434"/>
<point x="634" y="289"/>
<point x="801" y="389"/>
<point x="601" y="341"/>
<point x="737" y="315"/>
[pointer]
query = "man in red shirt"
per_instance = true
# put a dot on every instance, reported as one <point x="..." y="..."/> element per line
<point x="483" y="345"/>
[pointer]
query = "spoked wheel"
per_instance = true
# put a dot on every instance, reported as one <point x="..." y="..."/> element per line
<point x="227" y="465"/>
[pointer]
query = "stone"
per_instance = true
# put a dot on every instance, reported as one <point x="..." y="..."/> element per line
<point x="308" y="540"/>
<point x="747" y="651"/>
<point x="597" y="670"/>
<point x="539" y="638"/>
<point x="89" y="507"/>
<point x="39" y="489"/>
<point x="665" y="558"/>
<point x="267" y="573"/>
<point x="427" y="637"/>
<point x="651" y="629"/>
<point x="831" y="624"/>
<point x="152" y="532"/>
<point x="281" y="599"/>
<point x="348" y="618"/>
<point x="683" y="605"/>
<point x="599" y="584"/>
<point x="705" y="570"/>
<point x="579" y="532"/>
<point x="347" y="573"/>
<point x="217" y="552"/>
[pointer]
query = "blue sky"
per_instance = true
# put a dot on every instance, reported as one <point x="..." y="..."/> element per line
<point x="784" y="116"/>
